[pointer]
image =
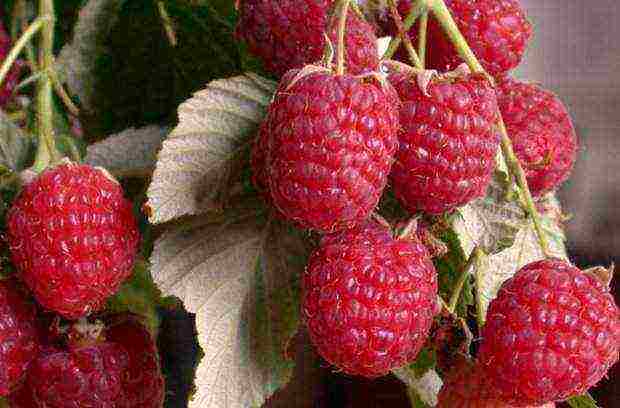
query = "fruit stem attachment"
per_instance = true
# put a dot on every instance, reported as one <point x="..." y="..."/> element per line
<point x="402" y="33"/>
<point x="342" y="26"/>
<point x="20" y="45"/>
<point x="46" y="151"/>
<point x="416" y="11"/>
<point x="514" y="167"/>
<point x="422" y="33"/>
<point x="473" y="264"/>
<point x="442" y="14"/>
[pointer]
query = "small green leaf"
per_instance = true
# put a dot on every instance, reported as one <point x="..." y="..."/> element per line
<point x="582" y="401"/>
<point x="138" y="295"/>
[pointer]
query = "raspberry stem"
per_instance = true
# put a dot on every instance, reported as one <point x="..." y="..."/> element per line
<point x="342" y="26"/>
<point x="473" y="264"/>
<point x="416" y="11"/>
<point x="442" y="14"/>
<point x="20" y="45"/>
<point x="46" y="151"/>
<point x="167" y="23"/>
<point x="402" y="33"/>
<point x="422" y="33"/>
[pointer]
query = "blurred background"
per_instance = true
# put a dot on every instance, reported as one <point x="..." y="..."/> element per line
<point x="575" y="53"/>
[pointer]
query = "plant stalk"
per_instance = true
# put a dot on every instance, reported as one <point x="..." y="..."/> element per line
<point x="47" y="152"/>
<point x="402" y="34"/>
<point x="514" y="167"/>
<point x="416" y="11"/>
<point x="422" y="34"/>
<point x="342" y="27"/>
<point x="20" y="45"/>
<point x="473" y="264"/>
<point x="442" y="14"/>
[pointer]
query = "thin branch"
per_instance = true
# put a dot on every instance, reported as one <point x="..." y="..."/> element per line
<point x="20" y="44"/>
<point x="342" y="27"/>
<point x="417" y="10"/>
<point x="402" y="34"/>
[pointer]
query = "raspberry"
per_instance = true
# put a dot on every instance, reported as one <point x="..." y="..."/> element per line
<point x="12" y="78"/>
<point x="82" y="377"/>
<point x="496" y="30"/>
<point x="369" y="299"/>
<point x="19" y="338"/>
<point x="331" y="144"/>
<point x="142" y="383"/>
<point x="289" y="34"/>
<point x="551" y="333"/>
<point x="541" y="131"/>
<point x="466" y="387"/>
<point x="73" y="238"/>
<point x="448" y="142"/>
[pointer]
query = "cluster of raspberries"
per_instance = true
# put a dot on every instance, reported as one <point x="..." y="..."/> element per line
<point x="73" y="239"/>
<point x="331" y="143"/>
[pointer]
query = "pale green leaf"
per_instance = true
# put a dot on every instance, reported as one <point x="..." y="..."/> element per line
<point x="492" y="224"/>
<point x="239" y="276"/>
<point x="197" y="158"/>
<point x="130" y="152"/>
<point x="426" y="387"/>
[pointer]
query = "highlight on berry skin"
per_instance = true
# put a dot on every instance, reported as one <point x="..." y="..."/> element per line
<point x="223" y="204"/>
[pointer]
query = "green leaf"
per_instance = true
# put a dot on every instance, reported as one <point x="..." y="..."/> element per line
<point x="582" y="401"/>
<point x="132" y="152"/>
<point x="426" y="387"/>
<point x="15" y="145"/>
<point x="125" y="69"/>
<point x="197" y="159"/>
<point x="138" y="295"/>
<point x="77" y="60"/>
<point x="240" y="275"/>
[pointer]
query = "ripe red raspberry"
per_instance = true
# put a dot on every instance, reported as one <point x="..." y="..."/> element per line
<point x="332" y="140"/>
<point x="551" y="333"/>
<point x="289" y="34"/>
<point x="142" y="382"/>
<point x="19" y="338"/>
<point x="73" y="237"/>
<point x="448" y="142"/>
<point x="87" y="376"/>
<point x="541" y="131"/>
<point x="496" y="30"/>
<point x="12" y="78"/>
<point x="466" y="387"/>
<point x="369" y="299"/>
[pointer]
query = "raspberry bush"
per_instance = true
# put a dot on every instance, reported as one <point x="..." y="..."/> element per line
<point x="192" y="189"/>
